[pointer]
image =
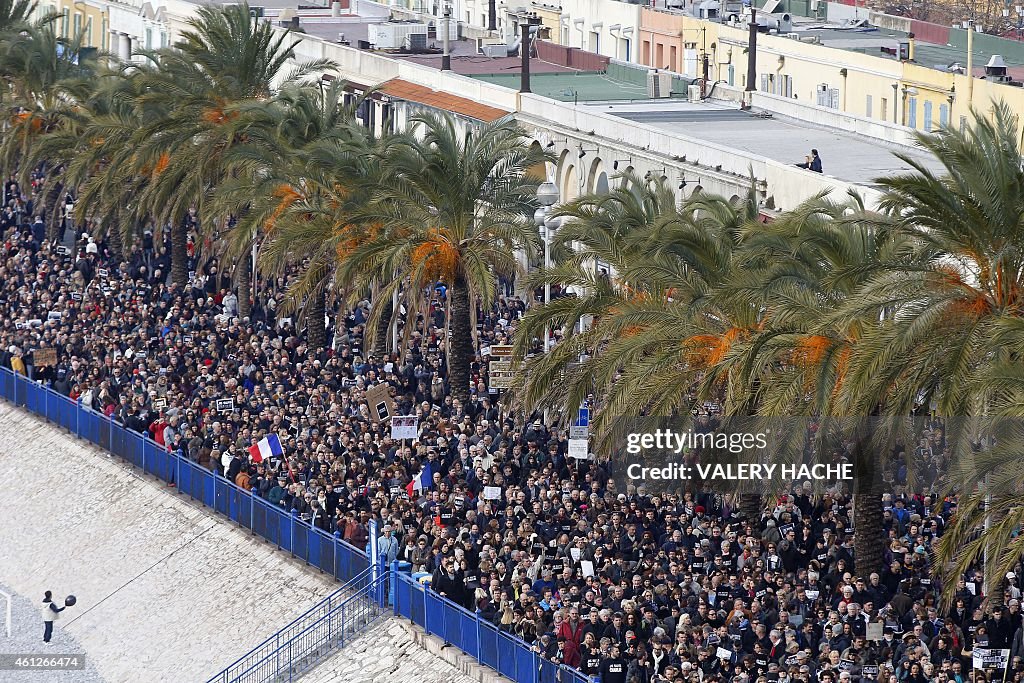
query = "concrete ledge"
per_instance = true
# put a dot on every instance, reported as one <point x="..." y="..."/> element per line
<point x="452" y="655"/>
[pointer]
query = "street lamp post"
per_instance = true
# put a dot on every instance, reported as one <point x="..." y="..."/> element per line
<point x="547" y="196"/>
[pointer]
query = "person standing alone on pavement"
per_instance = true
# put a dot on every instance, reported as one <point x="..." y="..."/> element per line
<point x="50" y="612"/>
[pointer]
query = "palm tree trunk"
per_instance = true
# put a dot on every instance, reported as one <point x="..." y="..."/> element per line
<point x="245" y="285"/>
<point x="750" y="506"/>
<point x="316" y="330"/>
<point x="179" y="254"/>
<point x="868" y="539"/>
<point x="460" y="353"/>
<point x="53" y="223"/>
<point x="115" y="242"/>
<point x="381" y="334"/>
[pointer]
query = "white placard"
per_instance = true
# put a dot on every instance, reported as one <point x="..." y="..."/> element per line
<point x="492" y="493"/>
<point x="723" y="653"/>
<point x="587" y="567"/>
<point x="579" y="432"/>
<point x="579" y="449"/>
<point x="404" y="427"/>
<point x="990" y="658"/>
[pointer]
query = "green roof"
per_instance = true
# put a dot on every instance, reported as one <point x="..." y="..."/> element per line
<point x="619" y="82"/>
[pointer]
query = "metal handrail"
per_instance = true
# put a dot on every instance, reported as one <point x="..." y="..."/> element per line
<point x="100" y="430"/>
<point x="347" y="588"/>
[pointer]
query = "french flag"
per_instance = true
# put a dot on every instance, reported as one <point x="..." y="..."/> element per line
<point x="421" y="481"/>
<point x="268" y="447"/>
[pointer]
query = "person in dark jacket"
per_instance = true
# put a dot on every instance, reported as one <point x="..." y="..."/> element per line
<point x="448" y="581"/>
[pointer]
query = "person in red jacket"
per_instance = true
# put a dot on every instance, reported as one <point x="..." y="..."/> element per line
<point x="156" y="429"/>
<point x="572" y="630"/>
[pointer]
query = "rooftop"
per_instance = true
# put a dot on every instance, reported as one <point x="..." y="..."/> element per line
<point x="872" y="40"/>
<point x="845" y="156"/>
<point x="412" y="92"/>
<point x="555" y="73"/>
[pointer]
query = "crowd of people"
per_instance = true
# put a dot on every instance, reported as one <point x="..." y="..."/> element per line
<point x="624" y="586"/>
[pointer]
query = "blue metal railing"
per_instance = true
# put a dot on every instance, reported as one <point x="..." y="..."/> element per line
<point x="297" y="642"/>
<point x="315" y="635"/>
<point x="505" y="653"/>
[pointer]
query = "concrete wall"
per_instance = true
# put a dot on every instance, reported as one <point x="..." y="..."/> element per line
<point x="166" y="592"/>
<point x="832" y="118"/>
<point x="722" y="170"/>
<point x="596" y="33"/>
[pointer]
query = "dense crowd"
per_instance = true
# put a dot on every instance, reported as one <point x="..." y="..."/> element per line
<point x="623" y="586"/>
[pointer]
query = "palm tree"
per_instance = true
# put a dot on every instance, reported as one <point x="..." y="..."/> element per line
<point x="950" y="312"/>
<point x="47" y="85"/>
<point x="456" y="209"/>
<point x="302" y="154"/>
<point x="660" y="328"/>
<point x="607" y="228"/>
<point x="15" y="15"/>
<point x="803" y="270"/>
<point x="225" y="58"/>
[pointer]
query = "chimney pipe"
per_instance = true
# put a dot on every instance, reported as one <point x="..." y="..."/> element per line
<point x="524" y="51"/>
<point x="752" y="51"/>
<point x="492" y="15"/>
<point x="446" y="58"/>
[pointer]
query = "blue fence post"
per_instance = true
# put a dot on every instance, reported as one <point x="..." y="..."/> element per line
<point x="394" y="586"/>
<point x="337" y="545"/>
<point x="426" y="621"/>
<point x="291" y="539"/>
<point x="78" y="418"/>
<point x="478" y="635"/>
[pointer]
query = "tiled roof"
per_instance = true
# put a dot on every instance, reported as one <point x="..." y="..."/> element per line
<point x="412" y="92"/>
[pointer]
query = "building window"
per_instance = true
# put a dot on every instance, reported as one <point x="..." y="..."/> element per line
<point x="943" y="115"/>
<point x="78" y="24"/>
<point x="629" y="49"/>
<point x="928" y="116"/>
<point x="868" y="108"/>
<point x="885" y="109"/>
<point x="149" y="39"/>
<point x="595" y="42"/>
<point x="912" y="112"/>
<point x="732" y="75"/>
<point x="64" y="23"/>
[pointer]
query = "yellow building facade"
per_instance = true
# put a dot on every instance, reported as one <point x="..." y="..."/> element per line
<point x="873" y="87"/>
<point x="92" y="21"/>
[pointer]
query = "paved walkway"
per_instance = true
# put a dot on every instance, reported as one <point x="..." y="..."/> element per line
<point x="386" y="653"/>
<point x="27" y="638"/>
<point x="166" y="591"/>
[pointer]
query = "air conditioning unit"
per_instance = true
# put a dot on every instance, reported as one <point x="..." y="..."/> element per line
<point x="659" y="84"/>
<point x="693" y="93"/>
<point x="394" y="35"/>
